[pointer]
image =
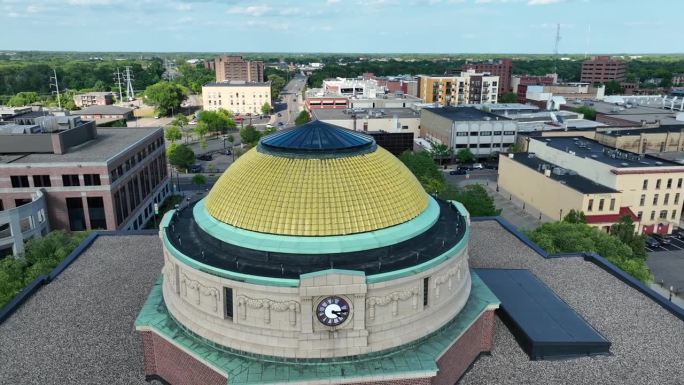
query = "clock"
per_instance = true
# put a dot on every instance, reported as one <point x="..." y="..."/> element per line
<point x="332" y="311"/>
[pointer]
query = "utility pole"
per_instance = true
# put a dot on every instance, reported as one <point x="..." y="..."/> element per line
<point x="129" y="84"/>
<point x="118" y="81"/>
<point x="56" y="84"/>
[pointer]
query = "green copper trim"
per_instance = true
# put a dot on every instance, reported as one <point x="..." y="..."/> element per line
<point x="316" y="245"/>
<point x="413" y="360"/>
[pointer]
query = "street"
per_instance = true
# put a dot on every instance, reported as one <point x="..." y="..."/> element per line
<point x="291" y="104"/>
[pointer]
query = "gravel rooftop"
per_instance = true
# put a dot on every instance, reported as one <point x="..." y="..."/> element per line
<point x="79" y="328"/>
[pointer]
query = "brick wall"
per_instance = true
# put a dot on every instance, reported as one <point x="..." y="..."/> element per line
<point x="175" y="366"/>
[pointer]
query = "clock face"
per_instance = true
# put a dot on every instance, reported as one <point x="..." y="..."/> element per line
<point x="332" y="311"/>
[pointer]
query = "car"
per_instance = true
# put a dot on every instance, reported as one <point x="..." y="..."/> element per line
<point x="280" y="123"/>
<point x="195" y="168"/>
<point x="458" y="171"/>
<point x="652" y="242"/>
<point x="280" y="115"/>
<point x="664" y="240"/>
<point x="679" y="233"/>
<point x="205" y="157"/>
<point x="477" y="166"/>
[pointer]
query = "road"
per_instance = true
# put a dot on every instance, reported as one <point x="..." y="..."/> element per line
<point x="291" y="102"/>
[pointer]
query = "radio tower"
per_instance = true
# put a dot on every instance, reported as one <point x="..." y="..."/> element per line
<point x="555" y="49"/>
<point x="118" y="81"/>
<point x="56" y="85"/>
<point x="129" y="84"/>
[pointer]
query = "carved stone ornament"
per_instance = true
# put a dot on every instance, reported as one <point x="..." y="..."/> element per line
<point x="268" y="305"/>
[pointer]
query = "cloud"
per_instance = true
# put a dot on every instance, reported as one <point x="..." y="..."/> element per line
<point x="332" y="2"/>
<point x="183" y="7"/>
<point x="543" y="2"/>
<point x="89" y="2"/>
<point x="252" y="10"/>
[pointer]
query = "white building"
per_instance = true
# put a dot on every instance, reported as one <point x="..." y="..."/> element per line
<point x="236" y="96"/>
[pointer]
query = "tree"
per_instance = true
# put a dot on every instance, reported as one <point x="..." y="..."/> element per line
<point x="249" y="135"/>
<point x="302" y="118"/>
<point x="199" y="179"/>
<point x="165" y="97"/>
<point x="475" y="199"/>
<point x="23" y="99"/>
<point x="613" y="88"/>
<point x="626" y="232"/>
<point x="508" y="97"/>
<point x="277" y="84"/>
<point x="588" y="112"/>
<point x="180" y="121"/>
<point x="464" y="155"/>
<point x="216" y="122"/>
<point x="575" y="216"/>
<point x="266" y="109"/>
<point x="201" y="129"/>
<point x="268" y="131"/>
<point x="180" y="156"/>
<point x="424" y="169"/>
<point x="231" y="139"/>
<point x="173" y="133"/>
<point x="514" y="148"/>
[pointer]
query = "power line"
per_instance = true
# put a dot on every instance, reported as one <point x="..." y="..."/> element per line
<point x="118" y="81"/>
<point x="555" y="49"/>
<point x="128" y="77"/>
<point x="56" y="85"/>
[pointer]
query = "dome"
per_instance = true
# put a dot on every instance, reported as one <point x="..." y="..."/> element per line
<point x="316" y="180"/>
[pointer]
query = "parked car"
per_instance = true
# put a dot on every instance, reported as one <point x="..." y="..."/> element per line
<point x="205" y="157"/>
<point x="664" y="240"/>
<point x="477" y="166"/>
<point x="279" y="114"/>
<point x="280" y="123"/>
<point x="652" y="242"/>
<point x="458" y="171"/>
<point x="228" y="152"/>
<point x="195" y="168"/>
<point x="679" y="233"/>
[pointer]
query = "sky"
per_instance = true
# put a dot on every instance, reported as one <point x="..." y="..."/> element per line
<point x="359" y="26"/>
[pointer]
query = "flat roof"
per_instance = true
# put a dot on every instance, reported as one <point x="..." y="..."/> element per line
<point x="587" y="148"/>
<point x="237" y="83"/>
<point x="568" y="178"/>
<point x="362" y="113"/>
<point x="108" y="143"/>
<point x="91" y="320"/>
<point x="638" y="131"/>
<point x="107" y="110"/>
<point x="637" y="113"/>
<point x="464" y="113"/>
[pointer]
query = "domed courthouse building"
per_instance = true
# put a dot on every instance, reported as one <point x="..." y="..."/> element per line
<point x="317" y="258"/>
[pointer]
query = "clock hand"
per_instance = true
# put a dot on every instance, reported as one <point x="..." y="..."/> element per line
<point x="339" y="312"/>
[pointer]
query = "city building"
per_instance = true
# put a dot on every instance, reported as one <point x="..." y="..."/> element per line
<point x="85" y="178"/>
<point x="328" y="224"/>
<point x="236" y="68"/>
<point x="355" y="88"/>
<point x="563" y="120"/>
<point x="639" y="110"/>
<point x="501" y="68"/>
<point x="391" y="120"/>
<point x="544" y="95"/>
<point x="678" y="79"/>
<point x="651" y="187"/>
<point x="483" y="133"/>
<point x="93" y="99"/>
<point x="668" y="139"/>
<point x="532" y="80"/>
<point x="466" y="88"/>
<point x="108" y="112"/>
<point x="317" y="98"/>
<point x="603" y="69"/>
<point x="238" y="97"/>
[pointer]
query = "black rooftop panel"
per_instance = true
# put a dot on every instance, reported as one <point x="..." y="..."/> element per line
<point x="545" y="326"/>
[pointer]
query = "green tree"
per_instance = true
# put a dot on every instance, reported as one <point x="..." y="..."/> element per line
<point x="625" y="230"/>
<point x="613" y="88"/>
<point x="231" y="139"/>
<point x="277" y="84"/>
<point x="201" y="129"/>
<point x="302" y="118"/>
<point x="165" y="97"/>
<point x="173" y="133"/>
<point x="442" y="151"/>
<point x="589" y="113"/>
<point x="464" y="155"/>
<point x="514" y="148"/>
<point x="575" y="216"/>
<point x="249" y="135"/>
<point x="23" y="99"/>
<point x="508" y="97"/>
<point x="216" y="122"/>
<point x="475" y="199"/>
<point x="180" y="156"/>
<point x="268" y="131"/>
<point x="180" y="121"/>
<point x="266" y="109"/>
<point x="199" y="179"/>
<point x="425" y="170"/>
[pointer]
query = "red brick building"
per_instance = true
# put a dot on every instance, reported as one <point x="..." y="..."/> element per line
<point x="501" y="68"/>
<point x="602" y="69"/>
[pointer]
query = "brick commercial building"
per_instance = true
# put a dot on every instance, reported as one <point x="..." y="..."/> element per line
<point x="105" y="112"/>
<point x="501" y="68"/>
<point x="92" y="178"/>
<point x="93" y="99"/>
<point x="465" y="88"/>
<point x="236" y="68"/>
<point x="602" y="69"/>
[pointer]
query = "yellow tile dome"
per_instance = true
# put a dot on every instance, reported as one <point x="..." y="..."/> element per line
<point x="318" y="196"/>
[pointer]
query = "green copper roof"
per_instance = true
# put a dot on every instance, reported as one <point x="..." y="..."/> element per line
<point x="417" y="359"/>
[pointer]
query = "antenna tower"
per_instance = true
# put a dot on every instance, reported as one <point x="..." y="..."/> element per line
<point x="56" y="85"/>
<point x="555" y="49"/>
<point x="129" y="84"/>
<point x="119" y="82"/>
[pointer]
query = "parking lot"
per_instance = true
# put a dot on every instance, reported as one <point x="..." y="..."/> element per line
<point x="675" y="244"/>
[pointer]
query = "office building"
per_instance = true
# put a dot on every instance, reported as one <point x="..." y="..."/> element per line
<point x="483" y="133"/>
<point x="603" y="69"/>
<point x="90" y="178"/>
<point x="392" y="120"/>
<point x="238" y="97"/>
<point x="236" y="68"/>
<point x="543" y="96"/>
<point x="501" y="68"/>
<point x="353" y="88"/>
<point x="104" y="112"/>
<point x="466" y="88"/>
<point x="93" y="99"/>
<point x="531" y="80"/>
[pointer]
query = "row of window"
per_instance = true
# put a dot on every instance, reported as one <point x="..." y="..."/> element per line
<point x="485" y="145"/>
<point x="484" y="133"/>
<point x="133" y="193"/>
<point x="237" y="94"/>
<point x="590" y="206"/>
<point x="662" y="215"/>
<point x="68" y="180"/>
<point x="129" y="163"/>
<point x="644" y="185"/>
<point x="666" y="199"/>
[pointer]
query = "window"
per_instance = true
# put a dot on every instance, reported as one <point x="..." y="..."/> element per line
<point x="655" y="199"/>
<point x="663" y="214"/>
<point x="70" y="180"/>
<point x="652" y="215"/>
<point x="643" y="200"/>
<point x="679" y="183"/>
<point x="669" y="183"/>
<point x="21" y="202"/>
<point x="590" y="206"/>
<point x="640" y="214"/>
<point x="497" y="132"/>
<point x="509" y="132"/>
<point x="485" y="133"/>
<point x="657" y="184"/>
<point x="426" y="292"/>
<point x="676" y="199"/>
<point x="474" y="133"/>
<point x="41" y="181"/>
<point x="91" y="179"/>
<point x="674" y="214"/>
<point x="228" y="293"/>
<point x="19" y="181"/>
<point x="667" y="199"/>
<point x="461" y="134"/>
<point x="645" y="185"/>
<point x="600" y="205"/>
<point x="76" y="214"/>
<point x="96" y="213"/>
<point x="612" y="204"/>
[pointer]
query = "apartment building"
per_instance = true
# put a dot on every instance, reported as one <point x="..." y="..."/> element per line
<point x="650" y="188"/>
<point x="602" y="69"/>
<point x="466" y="88"/>
<point x="90" y="178"/>
<point x="238" y="97"/>
<point x="93" y="99"/>
<point x="236" y="68"/>
<point x="483" y="133"/>
<point x="501" y="68"/>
